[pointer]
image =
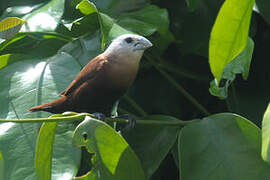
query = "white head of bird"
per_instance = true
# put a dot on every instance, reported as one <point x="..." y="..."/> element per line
<point x="128" y="45"/>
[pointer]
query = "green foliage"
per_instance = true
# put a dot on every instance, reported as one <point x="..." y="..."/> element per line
<point x="117" y="162"/>
<point x="59" y="37"/>
<point x="239" y="65"/>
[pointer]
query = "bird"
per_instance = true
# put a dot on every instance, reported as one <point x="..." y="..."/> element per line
<point x="105" y="78"/>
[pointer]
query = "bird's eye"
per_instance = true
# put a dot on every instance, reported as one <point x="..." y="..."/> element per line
<point x="129" y="40"/>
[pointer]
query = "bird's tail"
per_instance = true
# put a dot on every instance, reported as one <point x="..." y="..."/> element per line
<point x="58" y="106"/>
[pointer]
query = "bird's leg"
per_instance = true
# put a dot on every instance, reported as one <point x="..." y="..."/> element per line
<point x="100" y="116"/>
<point x="131" y="121"/>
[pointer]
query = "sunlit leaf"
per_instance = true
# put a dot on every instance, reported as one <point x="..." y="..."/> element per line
<point x="229" y="35"/>
<point x="10" y="26"/>
<point x="113" y="158"/>
<point x="240" y="65"/>
<point x="43" y="154"/>
<point x="45" y="18"/>
<point x="266" y="135"/>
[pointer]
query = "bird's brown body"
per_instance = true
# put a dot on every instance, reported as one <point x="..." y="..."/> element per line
<point x="98" y="86"/>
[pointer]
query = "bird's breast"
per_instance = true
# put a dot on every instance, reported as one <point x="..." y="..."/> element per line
<point x="120" y="75"/>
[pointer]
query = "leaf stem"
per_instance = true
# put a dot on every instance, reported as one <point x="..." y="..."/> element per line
<point x="179" y="88"/>
<point x="72" y="116"/>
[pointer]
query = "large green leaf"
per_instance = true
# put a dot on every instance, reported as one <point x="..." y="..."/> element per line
<point x="113" y="158"/>
<point x="222" y="146"/>
<point x="30" y="82"/>
<point x="34" y="44"/>
<point x="152" y="143"/>
<point x="229" y="35"/>
<point x="17" y="144"/>
<point x="45" y="18"/>
<point x="266" y="135"/>
<point x="145" y="21"/>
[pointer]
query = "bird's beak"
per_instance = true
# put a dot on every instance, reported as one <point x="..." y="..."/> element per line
<point x="142" y="44"/>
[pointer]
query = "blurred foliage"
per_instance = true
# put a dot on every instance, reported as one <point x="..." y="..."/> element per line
<point x="59" y="37"/>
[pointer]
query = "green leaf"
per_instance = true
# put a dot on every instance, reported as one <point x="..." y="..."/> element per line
<point x="29" y="82"/>
<point x="109" y="28"/>
<point x="17" y="144"/>
<point x="43" y="154"/>
<point x="83" y="49"/>
<point x="145" y="21"/>
<point x="192" y="4"/>
<point x="152" y="143"/>
<point x="229" y="35"/>
<point x="240" y="65"/>
<point x="86" y="7"/>
<point x="10" y="26"/>
<point x="10" y="58"/>
<point x="266" y="135"/>
<point x="35" y="44"/>
<point x="113" y="158"/>
<point x="89" y="24"/>
<point x="222" y="146"/>
<point x="45" y="18"/>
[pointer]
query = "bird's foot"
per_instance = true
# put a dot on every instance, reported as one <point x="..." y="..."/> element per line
<point x="131" y="121"/>
<point x="100" y="116"/>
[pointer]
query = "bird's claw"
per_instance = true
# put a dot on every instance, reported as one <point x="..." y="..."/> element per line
<point x="131" y="121"/>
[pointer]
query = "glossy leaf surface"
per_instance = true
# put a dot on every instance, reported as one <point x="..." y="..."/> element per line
<point x="222" y="146"/>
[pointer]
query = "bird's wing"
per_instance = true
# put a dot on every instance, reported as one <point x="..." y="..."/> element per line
<point x="88" y="72"/>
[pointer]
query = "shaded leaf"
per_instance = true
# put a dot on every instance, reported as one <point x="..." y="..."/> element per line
<point x="240" y="65"/>
<point x="192" y="4"/>
<point x="10" y="26"/>
<point x="263" y="7"/>
<point x="113" y="158"/>
<point x="266" y="135"/>
<point x="35" y="44"/>
<point x="222" y="146"/>
<point x="229" y="35"/>
<point x="17" y="144"/>
<point x="145" y="21"/>
<point x="152" y="143"/>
